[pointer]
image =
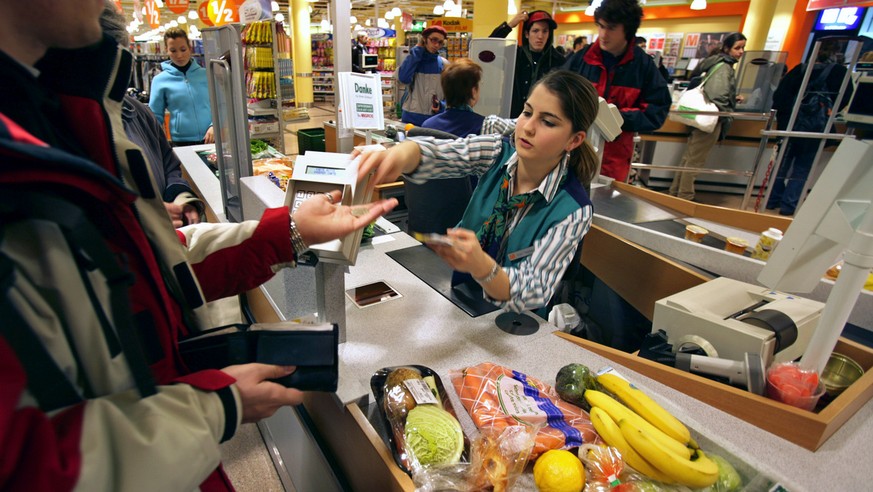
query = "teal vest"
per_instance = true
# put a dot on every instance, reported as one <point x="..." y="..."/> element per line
<point x="542" y="216"/>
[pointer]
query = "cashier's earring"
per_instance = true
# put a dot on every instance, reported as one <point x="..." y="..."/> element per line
<point x="512" y="139"/>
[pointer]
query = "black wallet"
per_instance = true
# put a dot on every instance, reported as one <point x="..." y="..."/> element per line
<point x="312" y="348"/>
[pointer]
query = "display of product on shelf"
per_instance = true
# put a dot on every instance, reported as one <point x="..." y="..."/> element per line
<point x="323" y="87"/>
<point x="322" y="50"/>
<point x="269" y="76"/>
<point x="457" y="47"/>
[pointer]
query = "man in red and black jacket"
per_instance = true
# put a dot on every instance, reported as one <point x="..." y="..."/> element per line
<point x="96" y="293"/>
<point x="625" y="76"/>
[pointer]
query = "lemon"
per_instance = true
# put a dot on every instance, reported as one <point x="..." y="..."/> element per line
<point x="558" y="470"/>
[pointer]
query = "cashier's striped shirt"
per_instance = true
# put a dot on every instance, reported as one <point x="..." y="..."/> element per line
<point x="532" y="280"/>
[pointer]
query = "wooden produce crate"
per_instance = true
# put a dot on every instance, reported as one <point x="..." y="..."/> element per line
<point x="806" y="429"/>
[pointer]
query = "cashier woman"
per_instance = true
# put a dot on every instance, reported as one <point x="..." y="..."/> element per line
<point x="529" y="212"/>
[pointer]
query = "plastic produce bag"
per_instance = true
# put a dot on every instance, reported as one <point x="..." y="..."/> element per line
<point x="497" y="397"/>
<point x="496" y="462"/>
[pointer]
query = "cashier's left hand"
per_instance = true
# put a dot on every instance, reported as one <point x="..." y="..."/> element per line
<point x="318" y="219"/>
<point x="465" y="254"/>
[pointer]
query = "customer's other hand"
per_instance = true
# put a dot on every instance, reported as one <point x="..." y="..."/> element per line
<point x="210" y="136"/>
<point x="320" y="219"/>
<point x="182" y="215"/>
<point x="261" y="397"/>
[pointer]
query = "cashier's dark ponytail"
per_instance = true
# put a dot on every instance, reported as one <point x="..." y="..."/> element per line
<point x="579" y="103"/>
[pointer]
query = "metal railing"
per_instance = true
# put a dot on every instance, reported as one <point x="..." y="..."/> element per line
<point x="768" y="118"/>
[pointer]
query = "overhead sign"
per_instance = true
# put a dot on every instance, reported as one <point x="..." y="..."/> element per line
<point x="177" y="6"/>
<point x="843" y="19"/>
<point x="453" y="24"/>
<point x="203" y="14"/>
<point x="826" y="4"/>
<point x="153" y="16"/>
<point x="222" y="12"/>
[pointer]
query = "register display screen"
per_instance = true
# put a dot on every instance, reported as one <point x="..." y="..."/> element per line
<point x="323" y="171"/>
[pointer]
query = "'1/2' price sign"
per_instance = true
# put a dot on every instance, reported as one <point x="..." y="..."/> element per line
<point x="177" y="6"/>
<point x="222" y="12"/>
<point x="152" y="14"/>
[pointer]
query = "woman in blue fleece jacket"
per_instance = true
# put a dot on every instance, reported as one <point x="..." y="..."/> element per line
<point x="182" y="90"/>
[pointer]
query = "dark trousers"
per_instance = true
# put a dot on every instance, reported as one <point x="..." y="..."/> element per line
<point x="791" y="178"/>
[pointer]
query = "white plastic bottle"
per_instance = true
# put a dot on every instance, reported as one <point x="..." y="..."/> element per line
<point x="766" y="243"/>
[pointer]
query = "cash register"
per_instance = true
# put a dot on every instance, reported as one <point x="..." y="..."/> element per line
<point x="726" y="318"/>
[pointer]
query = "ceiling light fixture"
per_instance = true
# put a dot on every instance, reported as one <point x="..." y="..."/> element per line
<point x="280" y="17"/>
<point x="193" y="15"/>
<point x="274" y="6"/>
<point x="389" y="15"/>
<point x="396" y="11"/>
<point x="439" y="10"/>
<point x="698" y="5"/>
<point x="448" y="5"/>
<point x="182" y="19"/>
<point x="353" y="20"/>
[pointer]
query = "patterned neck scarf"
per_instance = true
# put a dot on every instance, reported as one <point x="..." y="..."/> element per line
<point x="492" y="230"/>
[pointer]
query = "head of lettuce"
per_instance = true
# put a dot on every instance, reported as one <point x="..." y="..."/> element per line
<point x="433" y="436"/>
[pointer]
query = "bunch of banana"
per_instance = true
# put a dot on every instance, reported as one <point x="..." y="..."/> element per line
<point x="648" y="437"/>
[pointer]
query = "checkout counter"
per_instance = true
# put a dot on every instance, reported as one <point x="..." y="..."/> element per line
<point x="423" y="327"/>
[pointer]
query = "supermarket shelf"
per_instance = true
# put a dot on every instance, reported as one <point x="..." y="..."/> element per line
<point x="262" y="111"/>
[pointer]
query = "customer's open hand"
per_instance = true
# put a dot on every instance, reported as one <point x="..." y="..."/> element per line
<point x="321" y="218"/>
<point x="261" y="397"/>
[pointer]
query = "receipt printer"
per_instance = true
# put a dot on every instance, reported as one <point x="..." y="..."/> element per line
<point x="727" y="318"/>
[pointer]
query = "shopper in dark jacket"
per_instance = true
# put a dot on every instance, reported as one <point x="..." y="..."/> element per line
<point x="626" y="76"/>
<point x="359" y="48"/>
<point x="535" y="57"/>
<point x="798" y="158"/>
<point x="143" y="129"/>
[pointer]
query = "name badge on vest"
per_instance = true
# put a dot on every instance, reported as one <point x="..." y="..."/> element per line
<point x="522" y="253"/>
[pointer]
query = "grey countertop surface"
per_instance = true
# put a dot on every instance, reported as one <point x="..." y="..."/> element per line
<point x="424" y="328"/>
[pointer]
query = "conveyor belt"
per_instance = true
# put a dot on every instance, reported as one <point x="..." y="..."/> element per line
<point x="636" y="220"/>
<point x="432" y="270"/>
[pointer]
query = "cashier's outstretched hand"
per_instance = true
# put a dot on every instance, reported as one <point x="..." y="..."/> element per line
<point x="320" y="219"/>
<point x="261" y="397"/>
<point x="388" y="165"/>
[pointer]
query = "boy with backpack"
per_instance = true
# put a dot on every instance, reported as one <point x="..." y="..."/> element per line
<point x="812" y="116"/>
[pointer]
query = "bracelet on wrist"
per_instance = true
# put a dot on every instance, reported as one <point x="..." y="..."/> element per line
<point x="297" y="242"/>
<point x="488" y="278"/>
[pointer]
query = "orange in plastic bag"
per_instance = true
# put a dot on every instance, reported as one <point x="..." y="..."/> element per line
<point x="497" y="397"/>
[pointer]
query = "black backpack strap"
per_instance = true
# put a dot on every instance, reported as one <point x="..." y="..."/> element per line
<point x="47" y="383"/>
<point x="86" y="241"/>
<point x="820" y="82"/>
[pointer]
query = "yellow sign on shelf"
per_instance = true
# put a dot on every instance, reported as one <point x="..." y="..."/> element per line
<point x="453" y="24"/>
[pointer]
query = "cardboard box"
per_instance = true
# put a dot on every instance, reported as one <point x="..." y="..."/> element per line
<point x="806" y="429"/>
